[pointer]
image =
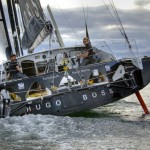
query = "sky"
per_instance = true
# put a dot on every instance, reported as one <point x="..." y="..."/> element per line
<point x="134" y="15"/>
<point x="103" y="31"/>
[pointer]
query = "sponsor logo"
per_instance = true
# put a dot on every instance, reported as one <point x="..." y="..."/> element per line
<point x="21" y="86"/>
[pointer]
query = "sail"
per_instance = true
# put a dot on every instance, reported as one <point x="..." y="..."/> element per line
<point x="35" y="25"/>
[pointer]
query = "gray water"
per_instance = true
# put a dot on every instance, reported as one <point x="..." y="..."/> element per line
<point x="116" y="126"/>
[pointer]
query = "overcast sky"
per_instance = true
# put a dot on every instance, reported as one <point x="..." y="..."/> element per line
<point x="134" y="14"/>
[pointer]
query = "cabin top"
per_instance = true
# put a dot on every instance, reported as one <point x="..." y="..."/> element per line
<point x="52" y="60"/>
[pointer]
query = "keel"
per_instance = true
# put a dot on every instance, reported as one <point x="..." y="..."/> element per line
<point x="142" y="102"/>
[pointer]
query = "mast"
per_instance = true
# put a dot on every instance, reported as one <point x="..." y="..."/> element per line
<point x="16" y="29"/>
<point x="87" y="33"/>
<point x="57" y="33"/>
<point x="9" y="18"/>
<point x="86" y="27"/>
<point x="4" y="12"/>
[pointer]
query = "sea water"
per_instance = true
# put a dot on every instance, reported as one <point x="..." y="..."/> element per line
<point x="116" y="126"/>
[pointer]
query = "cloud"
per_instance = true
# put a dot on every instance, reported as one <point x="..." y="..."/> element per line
<point x="101" y="25"/>
<point x="142" y="3"/>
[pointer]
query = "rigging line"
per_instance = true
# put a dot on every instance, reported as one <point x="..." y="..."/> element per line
<point x="119" y="25"/>
<point x="115" y="11"/>
<point x="64" y="50"/>
<point x="110" y="50"/>
<point x="85" y="19"/>
<point x="68" y="22"/>
<point x="83" y="12"/>
<point x="87" y="12"/>
<point x="112" y="17"/>
<point x="117" y="16"/>
<point x="85" y="16"/>
<point x="53" y="37"/>
<point x="87" y="35"/>
<point x="124" y="33"/>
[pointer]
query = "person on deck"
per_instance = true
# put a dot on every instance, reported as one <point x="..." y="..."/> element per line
<point x="87" y="54"/>
<point x="15" y="71"/>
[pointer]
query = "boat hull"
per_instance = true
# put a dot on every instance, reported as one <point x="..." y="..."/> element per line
<point x="80" y="97"/>
<point x="73" y="101"/>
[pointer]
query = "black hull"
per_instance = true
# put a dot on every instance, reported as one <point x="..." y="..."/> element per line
<point x="81" y="98"/>
<point x="75" y="101"/>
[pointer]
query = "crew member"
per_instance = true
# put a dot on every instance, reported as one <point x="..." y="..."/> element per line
<point x="15" y="71"/>
<point x="87" y="54"/>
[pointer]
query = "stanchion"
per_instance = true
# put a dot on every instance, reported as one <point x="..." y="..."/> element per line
<point x="142" y="102"/>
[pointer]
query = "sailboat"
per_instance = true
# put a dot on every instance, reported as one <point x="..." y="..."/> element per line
<point x="56" y="83"/>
